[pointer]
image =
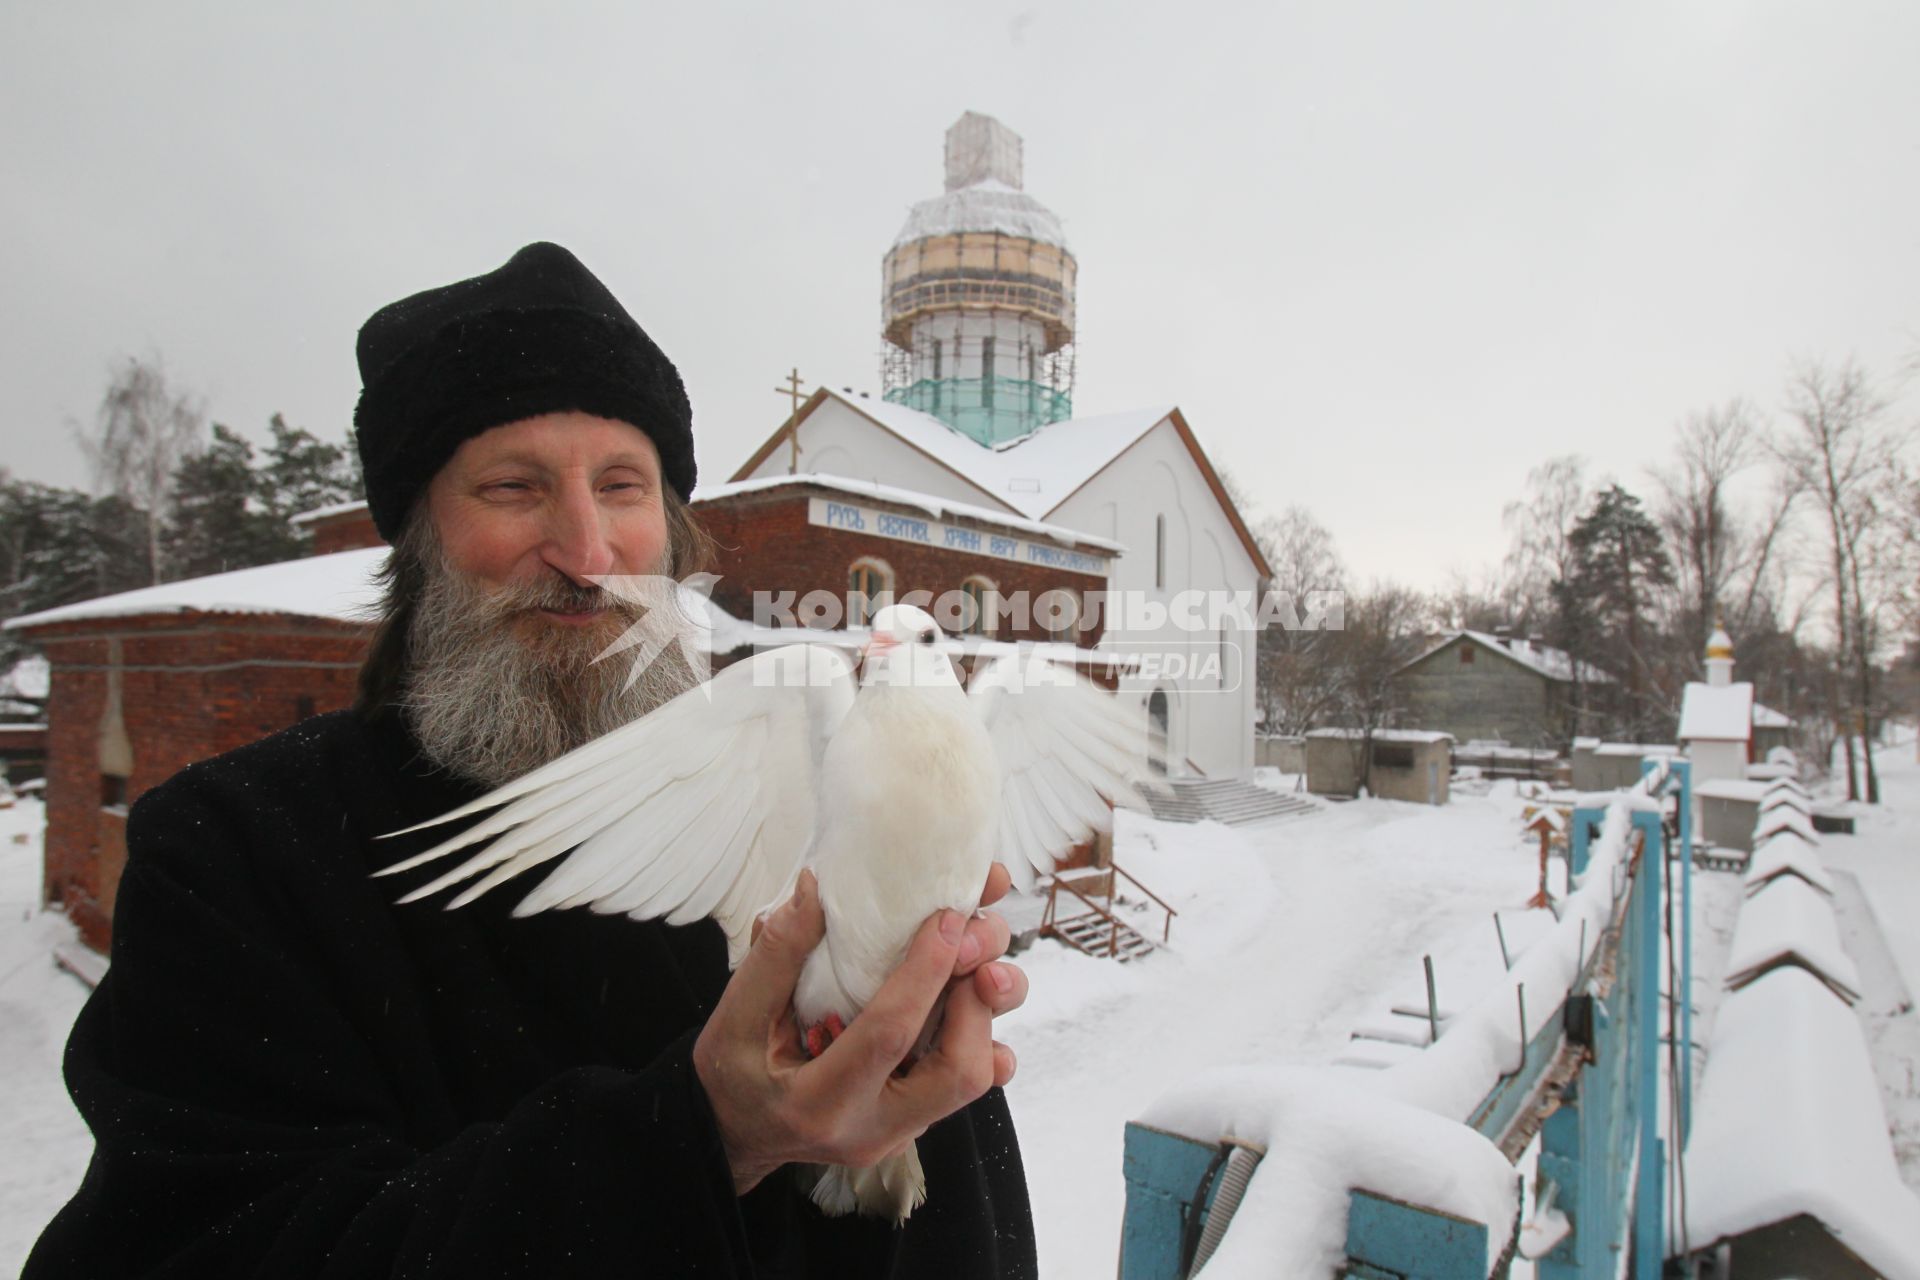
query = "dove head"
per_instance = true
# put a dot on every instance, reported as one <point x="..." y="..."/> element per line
<point x="906" y="649"/>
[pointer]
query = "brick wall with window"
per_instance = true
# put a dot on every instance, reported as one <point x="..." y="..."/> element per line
<point x="767" y="545"/>
<point x="189" y="686"/>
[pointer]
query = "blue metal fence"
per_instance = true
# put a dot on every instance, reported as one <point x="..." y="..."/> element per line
<point x="1601" y="1146"/>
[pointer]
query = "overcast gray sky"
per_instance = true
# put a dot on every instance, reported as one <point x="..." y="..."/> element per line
<point x="1386" y="257"/>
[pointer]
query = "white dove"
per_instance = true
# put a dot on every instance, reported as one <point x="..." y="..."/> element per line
<point x="899" y="791"/>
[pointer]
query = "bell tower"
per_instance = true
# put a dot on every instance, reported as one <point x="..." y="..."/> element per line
<point x="977" y="297"/>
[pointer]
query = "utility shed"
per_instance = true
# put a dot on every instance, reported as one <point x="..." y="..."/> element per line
<point x="1611" y="766"/>
<point x="1727" y="811"/>
<point x="1477" y="685"/>
<point x="1394" y="764"/>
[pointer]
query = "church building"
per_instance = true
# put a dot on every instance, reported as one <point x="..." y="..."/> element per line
<point x="977" y="409"/>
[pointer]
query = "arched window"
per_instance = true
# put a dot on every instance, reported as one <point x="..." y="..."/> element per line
<point x="869" y="589"/>
<point x="1160" y="553"/>
<point x="978" y="606"/>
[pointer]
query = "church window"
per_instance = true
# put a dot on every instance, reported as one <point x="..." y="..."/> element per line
<point x="869" y="588"/>
<point x="978" y="606"/>
<point x="1160" y="553"/>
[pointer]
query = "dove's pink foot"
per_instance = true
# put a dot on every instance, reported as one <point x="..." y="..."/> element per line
<point x="817" y="1037"/>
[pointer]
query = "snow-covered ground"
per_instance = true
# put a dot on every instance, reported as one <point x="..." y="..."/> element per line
<point x="1289" y="937"/>
<point x="45" y="1142"/>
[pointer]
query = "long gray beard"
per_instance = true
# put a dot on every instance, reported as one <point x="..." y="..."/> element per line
<point x="494" y="691"/>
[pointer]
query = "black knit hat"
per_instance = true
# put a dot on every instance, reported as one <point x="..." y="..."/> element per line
<point x="540" y="335"/>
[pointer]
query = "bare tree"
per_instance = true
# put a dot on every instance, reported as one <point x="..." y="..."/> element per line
<point x="1840" y="449"/>
<point x="145" y="428"/>
<point x="1729" y="562"/>
<point x="1296" y="684"/>
<point x="1384" y="630"/>
<point x="1540" y="527"/>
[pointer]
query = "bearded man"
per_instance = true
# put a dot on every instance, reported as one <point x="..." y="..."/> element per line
<point x="287" y="1075"/>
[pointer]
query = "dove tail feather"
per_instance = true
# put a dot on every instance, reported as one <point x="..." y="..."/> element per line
<point x="893" y="1188"/>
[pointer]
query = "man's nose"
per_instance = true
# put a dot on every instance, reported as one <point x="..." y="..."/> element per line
<point x="576" y="542"/>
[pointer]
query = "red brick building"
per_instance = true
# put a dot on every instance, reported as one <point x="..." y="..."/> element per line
<point x="146" y="682"/>
<point x="815" y="550"/>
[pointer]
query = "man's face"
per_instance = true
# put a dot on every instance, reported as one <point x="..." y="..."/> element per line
<point x="505" y="640"/>
<point x="564" y="494"/>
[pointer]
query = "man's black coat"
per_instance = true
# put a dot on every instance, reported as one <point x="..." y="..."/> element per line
<point x="286" y="1075"/>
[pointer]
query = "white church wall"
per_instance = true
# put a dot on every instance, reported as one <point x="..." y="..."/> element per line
<point x="1213" y="714"/>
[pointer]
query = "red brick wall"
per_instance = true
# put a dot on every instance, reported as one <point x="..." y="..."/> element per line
<point x="767" y="545"/>
<point x="191" y="687"/>
<point x="347" y="531"/>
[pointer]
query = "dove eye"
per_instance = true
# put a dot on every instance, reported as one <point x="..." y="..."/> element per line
<point x="926" y="637"/>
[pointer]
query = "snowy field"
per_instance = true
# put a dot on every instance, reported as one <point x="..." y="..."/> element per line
<point x="1289" y="936"/>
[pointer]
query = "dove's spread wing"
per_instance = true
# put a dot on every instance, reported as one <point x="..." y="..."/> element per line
<point x="1066" y="748"/>
<point x="703" y="807"/>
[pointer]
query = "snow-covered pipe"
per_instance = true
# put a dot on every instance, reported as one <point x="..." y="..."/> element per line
<point x="1226" y="1202"/>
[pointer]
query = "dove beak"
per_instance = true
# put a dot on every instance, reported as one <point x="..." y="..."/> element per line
<point x="878" y="644"/>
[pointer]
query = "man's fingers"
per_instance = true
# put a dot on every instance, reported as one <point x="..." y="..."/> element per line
<point x="954" y="1074"/>
<point x="1002" y="987"/>
<point x="885" y="1030"/>
<point x="765" y="980"/>
<point x="1004" y="1064"/>
<point x="999" y="881"/>
<point x="986" y="939"/>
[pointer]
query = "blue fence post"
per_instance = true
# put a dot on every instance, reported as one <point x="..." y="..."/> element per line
<point x="1649" y="1235"/>
<point x="1681" y="771"/>
<point x="1585" y="823"/>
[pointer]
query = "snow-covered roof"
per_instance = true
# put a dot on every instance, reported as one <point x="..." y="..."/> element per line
<point x="1033" y="474"/>
<point x="1716" y="714"/>
<point x="335" y="509"/>
<point x="987" y="205"/>
<point x="338" y="586"/>
<point x="1765" y="717"/>
<point x="1638" y="750"/>
<point x="1731" y="789"/>
<point x="1772" y="800"/>
<point x="1552" y="663"/>
<point x="1384" y="735"/>
<point x="1790" y="922"/>
<point x="1778" y="856"/>
<point x="932" y="504"/>
<point x="1790" y="1122"/>
<point x="1785" y="818"/>
<point x="31" y="677"/>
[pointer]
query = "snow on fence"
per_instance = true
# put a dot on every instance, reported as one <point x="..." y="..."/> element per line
<point x="1791" y="1157"/>
<point x="1408" y="1171"/>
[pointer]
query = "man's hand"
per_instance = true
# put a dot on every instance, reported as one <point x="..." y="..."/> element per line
<point x="774" y="1105"/>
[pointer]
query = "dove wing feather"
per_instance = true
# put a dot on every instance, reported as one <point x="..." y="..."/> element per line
<point x="703" y="807"/>
<point x="1066" y="748"/>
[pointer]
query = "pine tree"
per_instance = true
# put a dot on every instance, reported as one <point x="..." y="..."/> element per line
<point x="1619" y="560"/>
<point x="304" y="473"/>
<point x="218" y="521"/>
